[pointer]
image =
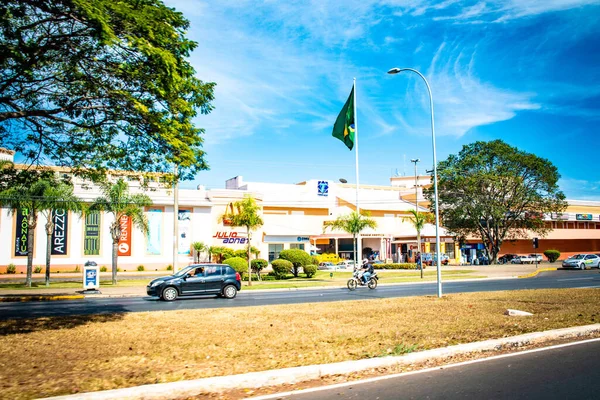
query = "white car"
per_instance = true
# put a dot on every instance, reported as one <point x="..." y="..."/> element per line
<point x="536" y="257"/>
<point x="582" y="261"/>
<point x="345" y="264"/>
<point x="522" y="260"/>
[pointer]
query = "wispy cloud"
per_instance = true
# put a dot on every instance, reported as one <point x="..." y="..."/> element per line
<point x="580" y="189"/>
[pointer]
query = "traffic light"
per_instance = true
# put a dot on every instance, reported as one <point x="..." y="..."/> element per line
<point x="535" y="243"/>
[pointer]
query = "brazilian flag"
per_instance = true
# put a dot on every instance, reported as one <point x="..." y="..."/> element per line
<point x="344" y="124"/>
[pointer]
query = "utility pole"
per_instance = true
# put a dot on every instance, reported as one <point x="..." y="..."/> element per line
<point x="175" y="218"/>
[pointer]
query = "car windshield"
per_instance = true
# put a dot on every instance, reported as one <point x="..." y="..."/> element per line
<point x="578" y="257"/>
<point x="184" y="271"/>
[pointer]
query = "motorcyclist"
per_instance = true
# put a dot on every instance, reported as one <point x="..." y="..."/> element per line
<point x="366" y="271"/>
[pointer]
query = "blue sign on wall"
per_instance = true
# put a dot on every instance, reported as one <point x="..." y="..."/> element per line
<point x="323" y="188"/>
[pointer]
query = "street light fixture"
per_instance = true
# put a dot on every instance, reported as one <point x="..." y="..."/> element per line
<point x="394" y="71"/>
<point x="415" y="161"/>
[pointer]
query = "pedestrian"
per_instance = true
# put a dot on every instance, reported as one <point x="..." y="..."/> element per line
<point x="418" y="261"/>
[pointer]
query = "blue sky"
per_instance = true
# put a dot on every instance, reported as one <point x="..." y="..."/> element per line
<point x="527" y="72"/>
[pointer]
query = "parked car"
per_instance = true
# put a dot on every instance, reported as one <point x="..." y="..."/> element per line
<point x="536" y="258"/>
<point x="582" y="261"/>
<point x="522" y="260"/>
<point x="326" y="265"/>
<point x="196" y="280"/>
<point x="506" y="258"/>
<point x="345" y="264"/>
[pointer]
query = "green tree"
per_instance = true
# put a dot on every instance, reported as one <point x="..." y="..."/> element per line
<point x="353" y="223"/>
<point x="28" y="191"/>
<point x="100" y="84"/>
<point x="496" y="192"/>
<point x="298" y="258"/>
<point x="117" y="200"/>
<point x="58" y="196"/>
<point x="237" y="263"/>
<point x="199" y="248"/>
<point x="258" y="265"/>
<point x="246" y="214"/>
<point x="418" y="221"/>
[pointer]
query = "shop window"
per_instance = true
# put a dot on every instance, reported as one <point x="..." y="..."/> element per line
<point x="570" y="225"/>
<point x="581" y="225"/>
<point x="297" y="246"/>
<point x="274" y="250"/>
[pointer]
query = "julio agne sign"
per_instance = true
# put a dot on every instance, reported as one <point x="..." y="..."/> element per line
<point x="230" y="238"/>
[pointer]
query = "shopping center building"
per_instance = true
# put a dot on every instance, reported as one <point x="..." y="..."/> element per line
<point x="293" y="215"/>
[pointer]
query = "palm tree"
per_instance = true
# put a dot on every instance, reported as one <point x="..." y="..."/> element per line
<point x="199" y="248"/>
<point x="58" y="197"/>
<point x="418" y="221"/>
<point x="120" y="203"/>
<point x="28" y="192"/>
<point x="245" y="213"/>
<point x="353" y="223"/>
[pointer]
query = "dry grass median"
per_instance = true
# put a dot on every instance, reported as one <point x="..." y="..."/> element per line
<point x="53" y="356"/>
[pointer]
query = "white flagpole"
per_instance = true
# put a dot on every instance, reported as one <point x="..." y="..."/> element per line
<point x="358" y="244"/>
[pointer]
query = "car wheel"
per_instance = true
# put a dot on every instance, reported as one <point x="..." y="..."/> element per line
<point x="169" y="293"/>
<point x="229" y="292"/>
<point x="582" y="266"/>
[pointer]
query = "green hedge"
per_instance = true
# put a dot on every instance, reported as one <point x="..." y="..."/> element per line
<point x="238" y="264"/>
<point x="552" y="255"/>
<point x="281" y="268"/>
<point x="310" y="270"/>
<point x="397" y="266"/>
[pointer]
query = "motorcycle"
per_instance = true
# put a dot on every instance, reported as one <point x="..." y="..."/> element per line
<point x="356" y="280"/>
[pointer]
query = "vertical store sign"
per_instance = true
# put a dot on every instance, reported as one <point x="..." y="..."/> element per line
<point x="185" y="225"/>
<point x="153" y="244"/>
<point x="91" y="243"/>
<point x="125" y="238"/>
<point x="21" y="233"/>
<point x="60" y="218"/>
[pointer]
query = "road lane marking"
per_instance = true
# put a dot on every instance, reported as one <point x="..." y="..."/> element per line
<point x="576" y="279"/>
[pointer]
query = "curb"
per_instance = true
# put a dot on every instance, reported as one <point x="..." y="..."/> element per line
<point x="534" y="273"/>
<point x="8" y="298"/>
<point x="299" y="374"/>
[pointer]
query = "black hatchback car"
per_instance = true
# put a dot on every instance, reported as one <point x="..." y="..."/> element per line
<point x="197" y="280"/>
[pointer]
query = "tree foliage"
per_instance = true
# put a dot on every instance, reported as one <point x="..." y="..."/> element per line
<point x="245" y="213"/>
<point x="298" y="258"/>
<point x="100" y="84"/>
<point x="237" y="263"/>
<point x="353" y="223"/>
<point x="117" y="201"/>
<point x="33" y="191"/>
<point x="496" y="192"/>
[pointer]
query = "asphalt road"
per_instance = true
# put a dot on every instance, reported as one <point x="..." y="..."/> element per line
<point x="566" y="372"/>
<point x="554" y="279"/>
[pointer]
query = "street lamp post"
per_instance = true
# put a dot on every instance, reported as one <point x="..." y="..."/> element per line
<point x="415" y="161"/>
<point x="435" y="185"/>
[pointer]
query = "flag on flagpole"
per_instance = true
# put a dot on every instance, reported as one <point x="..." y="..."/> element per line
<point x="344" y="127"/>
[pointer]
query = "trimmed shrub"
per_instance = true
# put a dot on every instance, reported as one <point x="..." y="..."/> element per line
<point x="78" y="270"/>
<point x="281" y="268"/>
<point x="552" y="255"/>
<point x="169" y="267"/>
<point x="11" y="269"/>
<point x="397" y="266"/>
<point x="298" y="258"/>
<point x="141" y="268"/>
<point x="238" y="263"/>
<point x="258" y="265"/>
<point x="103" y="269"/>
<point x="37" y="269"/>
<point x="310" y="270"/>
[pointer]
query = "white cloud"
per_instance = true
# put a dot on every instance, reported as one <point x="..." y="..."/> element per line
<point x="580" y="189"/>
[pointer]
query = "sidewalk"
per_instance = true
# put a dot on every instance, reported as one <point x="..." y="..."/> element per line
<point x="7" y="295"/>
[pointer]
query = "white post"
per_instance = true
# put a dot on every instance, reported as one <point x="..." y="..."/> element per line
<point x="358" y="241"/>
